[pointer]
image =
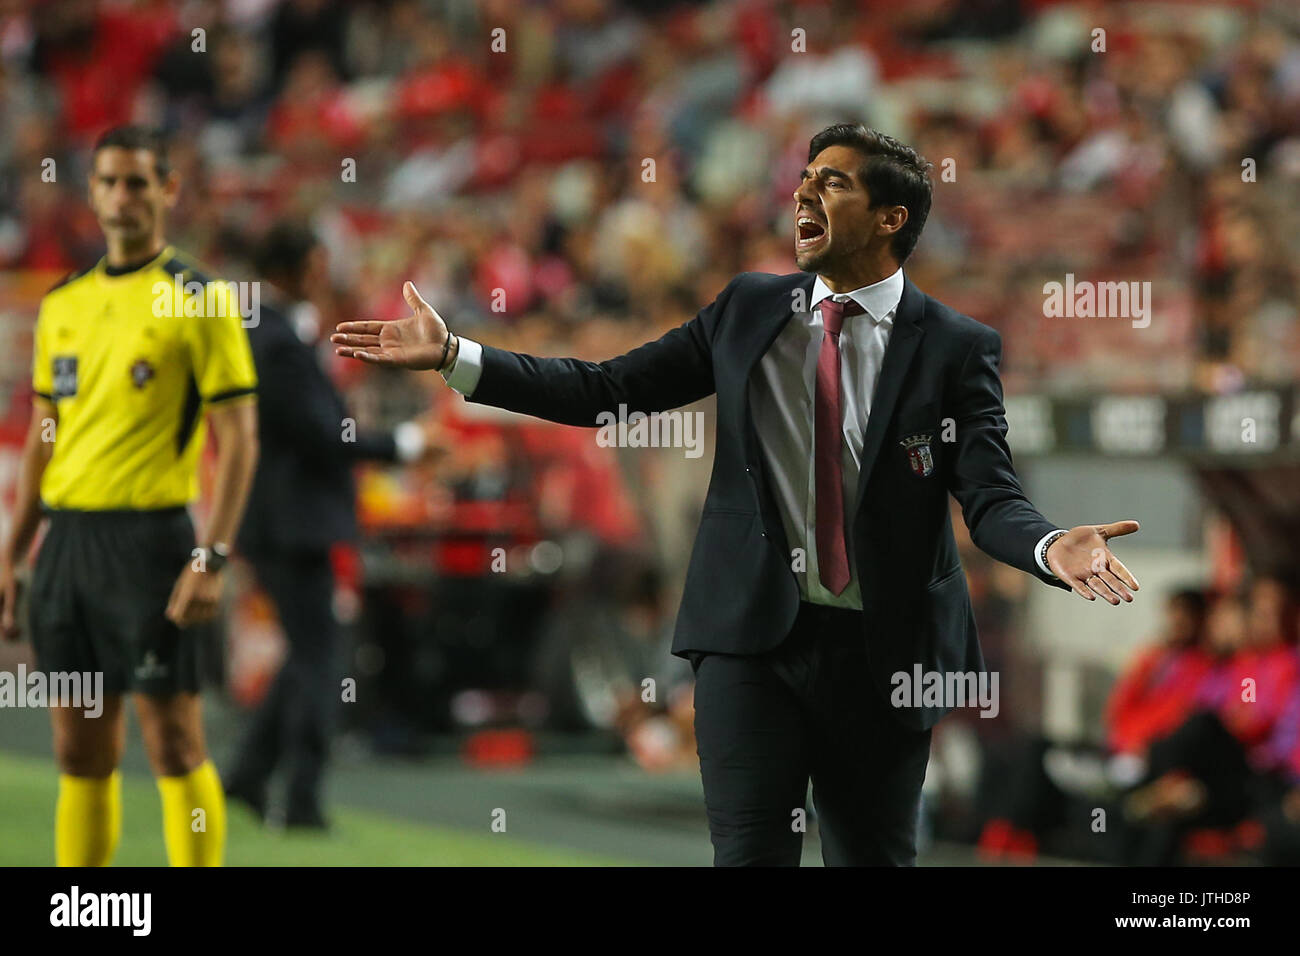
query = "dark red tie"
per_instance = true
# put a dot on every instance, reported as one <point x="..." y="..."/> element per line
<point x="828" y="446"/>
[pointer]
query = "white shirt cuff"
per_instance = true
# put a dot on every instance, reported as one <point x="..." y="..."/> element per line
<point x="1039" y="547"/>
<point x="464" y="373"/>
<point x="409" y="439"/>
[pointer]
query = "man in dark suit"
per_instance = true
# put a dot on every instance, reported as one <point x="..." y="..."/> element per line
<point x="301" y="504"/>
<point x="849" y="404"/>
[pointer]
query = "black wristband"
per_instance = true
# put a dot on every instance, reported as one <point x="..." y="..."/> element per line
<point x="1047" y="543"/>
<point x="446" y="348"/>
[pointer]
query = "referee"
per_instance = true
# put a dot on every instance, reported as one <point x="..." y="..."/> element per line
<point x="134" y="357"/>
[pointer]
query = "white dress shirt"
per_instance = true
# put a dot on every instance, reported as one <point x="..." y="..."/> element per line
<point x="782" y="393"/>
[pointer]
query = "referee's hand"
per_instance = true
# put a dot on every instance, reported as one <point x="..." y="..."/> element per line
<point x="8" y="602"/>
<point x="195" y="597"/>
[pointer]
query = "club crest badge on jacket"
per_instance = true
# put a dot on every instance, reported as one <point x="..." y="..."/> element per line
<point x="918" y="454"/>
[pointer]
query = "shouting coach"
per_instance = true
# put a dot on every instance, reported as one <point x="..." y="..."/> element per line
<point x="849" y="404"/>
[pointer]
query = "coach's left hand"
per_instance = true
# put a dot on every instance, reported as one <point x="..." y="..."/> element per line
<point x="1082" y="560"/>
<point x="195" y="597"/>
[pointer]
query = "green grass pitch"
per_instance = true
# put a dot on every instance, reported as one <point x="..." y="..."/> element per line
<point x="28" y="787"/>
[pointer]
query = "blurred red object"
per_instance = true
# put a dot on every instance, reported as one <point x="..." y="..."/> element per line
<point x="1209" y="845"/>
<point x="498" y="748"/>
<point x="1002" y="840"/>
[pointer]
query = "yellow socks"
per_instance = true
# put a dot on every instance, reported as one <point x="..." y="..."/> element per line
<point x="87" y="820"/>
<point x="194" y="817"/>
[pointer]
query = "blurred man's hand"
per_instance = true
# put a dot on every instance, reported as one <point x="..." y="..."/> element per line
<point x="437" y="443"/>
<point x="421" y="441"/>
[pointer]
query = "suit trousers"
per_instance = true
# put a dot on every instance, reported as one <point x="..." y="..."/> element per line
<point x="293" y="724"/>
<point x="766" y="724"/>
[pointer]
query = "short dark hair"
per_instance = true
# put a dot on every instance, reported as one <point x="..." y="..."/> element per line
<point x="283" y="250"/>
<point x="138" y="137"/>
<point x="893" y="173"/>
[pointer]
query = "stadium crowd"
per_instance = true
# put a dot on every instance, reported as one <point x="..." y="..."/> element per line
<point x="515" y="160"/>
<point x="578" y="176"/>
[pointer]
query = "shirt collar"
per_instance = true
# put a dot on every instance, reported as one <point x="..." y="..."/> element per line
<point x="880" y="299"/>
<point x="114" y="272"/>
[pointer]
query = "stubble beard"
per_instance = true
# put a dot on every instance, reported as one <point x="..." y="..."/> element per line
<point x="814" y="262"/>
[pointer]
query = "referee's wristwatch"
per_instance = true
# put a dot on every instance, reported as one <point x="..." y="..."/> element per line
<point x="214" y="556"/>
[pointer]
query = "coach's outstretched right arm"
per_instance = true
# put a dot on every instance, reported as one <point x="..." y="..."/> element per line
<point x="672" y="371"/>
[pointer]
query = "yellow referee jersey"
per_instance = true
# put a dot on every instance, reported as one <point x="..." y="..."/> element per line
<point x="130" y="361"/>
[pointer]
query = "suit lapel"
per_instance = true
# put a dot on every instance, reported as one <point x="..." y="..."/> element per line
<point x="903" y="343"/>
<point x="772" y="323"/>
<point x="765" y="330"/>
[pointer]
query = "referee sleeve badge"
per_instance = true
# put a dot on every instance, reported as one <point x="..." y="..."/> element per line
<point x="141" y="373"/>
<point x="65" y="376"/>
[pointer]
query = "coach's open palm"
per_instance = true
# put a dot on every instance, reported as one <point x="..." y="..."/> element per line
<point x="417" y="342"/>
<point x="1082" y="559"/>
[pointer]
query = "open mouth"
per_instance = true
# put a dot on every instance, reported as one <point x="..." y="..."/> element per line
<point x="809" y="232"/>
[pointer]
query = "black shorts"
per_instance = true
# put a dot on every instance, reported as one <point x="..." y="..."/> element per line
<point x="98" y="596"/>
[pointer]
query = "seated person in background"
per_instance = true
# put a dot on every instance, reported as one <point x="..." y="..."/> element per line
<point x="1158" y="690"/>
<point x="1278" y="807"/>
<point x="1225" y="760"/>
<point x="1268" y="661"/>
<point x="1151" y="698"/>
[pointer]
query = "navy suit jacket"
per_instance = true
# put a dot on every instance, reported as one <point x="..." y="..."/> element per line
<point x="741" y="596"/>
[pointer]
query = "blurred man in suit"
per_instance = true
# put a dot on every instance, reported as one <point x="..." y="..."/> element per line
<point x="302" y="503"/>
